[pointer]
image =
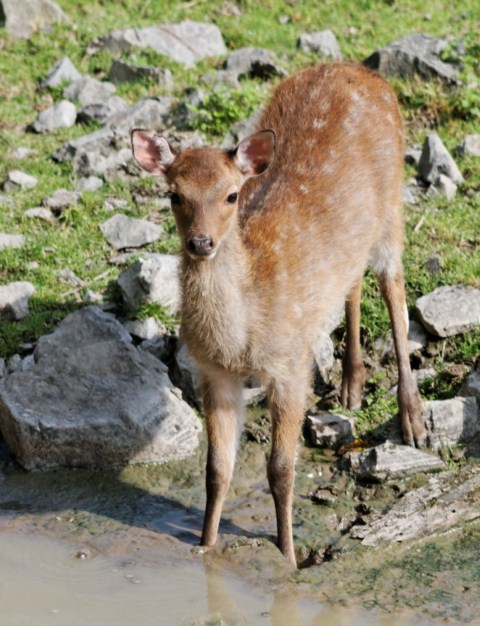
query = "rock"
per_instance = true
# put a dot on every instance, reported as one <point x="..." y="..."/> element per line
<point x="143" y="329"/>
<point x="253" y="393"/>
<point x="152" y="278"/>
<point x="22" y="152"/>
<point x="60" y="115"/>
<point x="432" y="509"/>
<point x="444" y="186"/>
<point x="186" y="374"/>
<point x="184" y="114"/>
<point x="389" y="460"/>
<point x="449" y="310"/>
<point x="415" y="55"/>
<point x="14" y="299"/>
<point x="11" y="241"/>
<point x="323" y="42"/>
<point x="121" y="72"/>
<point x="93" y="400"/>
<point x="66" y="275"/>
<point x="254" y="62"/>
<point x="3" y="368"/>
<point x="19" y="180"/>
<point x="63" y="71"/>
<point x="24" y="17"/>
<point x="88" y="90"/>
<point x="221" y="79"/>
<point x="90" y="183"/>
<point x="99" y="141"/>
<point x="61" y="199"/>
<point x="412" y="156"/>
<point x="329" y="431"/>
<point x="186" y="42"/>
<point x="471" y="385"/>
<point x="112" y="204"/>
<point x="436" y="160"/>
<point x="417" y="339"/>
<point x="450" y="422"/>
<point x="146" y="113"/>
<point x="470" y="146"/>
<point x="14" y="364"/>
<point x="40" y="213"/>
<point x="433" y="264"/>
<point x="128" y="232"/>
<point x="101" y="112"/>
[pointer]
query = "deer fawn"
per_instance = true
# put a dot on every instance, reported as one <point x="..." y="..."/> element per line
<point x="276" y="236"/>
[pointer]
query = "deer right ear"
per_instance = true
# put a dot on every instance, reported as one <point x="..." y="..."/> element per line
<point x="151" y="151"/>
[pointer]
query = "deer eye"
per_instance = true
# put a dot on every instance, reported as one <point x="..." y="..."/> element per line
<point x="232" y="198"/>
<point x="174" y="197"/>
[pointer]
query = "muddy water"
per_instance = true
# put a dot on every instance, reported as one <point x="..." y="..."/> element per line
<point x="82" y="547"/>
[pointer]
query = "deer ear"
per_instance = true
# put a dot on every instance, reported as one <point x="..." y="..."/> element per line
<point x="255" y="153"/>
<point x="151" y="151"/>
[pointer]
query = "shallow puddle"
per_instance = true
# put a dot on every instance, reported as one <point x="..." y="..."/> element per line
<point x="46" y="583"/>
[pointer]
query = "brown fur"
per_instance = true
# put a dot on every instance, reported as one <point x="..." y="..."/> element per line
<point x="287" y="258"/>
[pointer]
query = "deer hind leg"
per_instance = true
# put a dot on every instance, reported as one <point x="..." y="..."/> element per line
<point x="390" y="275"/>
<point x="287" y="403"/>
<point x="354" y="372"/>
<point x="222" y="402"/>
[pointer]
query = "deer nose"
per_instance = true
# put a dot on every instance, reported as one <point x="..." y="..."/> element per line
<point x="200" y="246"/>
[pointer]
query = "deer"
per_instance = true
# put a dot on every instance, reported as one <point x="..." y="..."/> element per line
<point x="276" y="235"/>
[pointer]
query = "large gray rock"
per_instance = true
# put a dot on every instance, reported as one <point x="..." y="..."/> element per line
<point x="436" y="160"/>
<point x="60" y="115"/>
<point x="14" y="299"/>
<point x="148" y="113"/>
<point x="122" y="231"/>
<point x="11" y="241"/>
<point x="254" y="62"/>
<point x="122" y="72"/>
<point x="88" y="90"/>
<point x="152" y="278"/>
<point x="449" y="310"/>
<point x="471" y="386"/>
<point x="322" y="42"/>
<point x="98" y="142"/>
<point x="93" y="400"/>
<point x="101" y="112"/>
<point x="389" y="460"/>
<point x="414" y="55"/>
<point x="186" y="42"/>
<point x="431" y="509"/>
<point x="450" y="422"/>
<point x="63" y="71"/>
<point x="24" y="17"/>
<point x="61" y="199"/>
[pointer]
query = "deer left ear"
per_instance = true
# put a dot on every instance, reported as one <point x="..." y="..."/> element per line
<point x="255" y="153"/>
<point x="151" y="151"/>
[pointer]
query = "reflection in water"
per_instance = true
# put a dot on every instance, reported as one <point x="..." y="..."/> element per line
<point x="48" y="583"/>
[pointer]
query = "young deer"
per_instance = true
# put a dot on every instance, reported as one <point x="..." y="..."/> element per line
<point x="276" y="236"/>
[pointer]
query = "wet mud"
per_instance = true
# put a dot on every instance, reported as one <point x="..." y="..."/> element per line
<point x="98" y="531"/>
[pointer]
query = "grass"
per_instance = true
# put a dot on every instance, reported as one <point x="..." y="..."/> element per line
<point x="434" y="226"/>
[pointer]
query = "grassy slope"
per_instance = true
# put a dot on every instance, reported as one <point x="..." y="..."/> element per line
<point x="449" y="229"/>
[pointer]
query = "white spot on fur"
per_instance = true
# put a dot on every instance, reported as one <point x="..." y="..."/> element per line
<point x="304" y="189"/>
<point x="319" y="123"/>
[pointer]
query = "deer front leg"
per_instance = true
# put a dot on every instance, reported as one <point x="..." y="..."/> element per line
<point x="354" y="372"/>
<point x="287" y="409"/>
<point x="409" y="402"/>
<point x="222" y="402"/>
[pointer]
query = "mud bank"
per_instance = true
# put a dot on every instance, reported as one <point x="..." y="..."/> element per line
<point x="150" y="518"/>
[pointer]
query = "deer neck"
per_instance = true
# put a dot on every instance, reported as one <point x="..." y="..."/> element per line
<point x="217" y="304"/>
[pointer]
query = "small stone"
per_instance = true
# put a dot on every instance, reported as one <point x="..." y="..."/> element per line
<point x="470" y="146"/>
<point x="390" y="460"/>
<point x="323" y="42"/>
<point x="70" y="278"/>
<point x="22" y="153"/>
<point x="60" y="115"/>
<point x="435" y="160"/>
<point x="121" y="72"/>
<point x="14" y="299"/>
<point x="61" y="199"/>
<point x="111" y="204"/>
<point x="329" y="431"/>
<point x="449" y="310"/>
<point x="89" y="183"/>
<point x="433" y="264"/>
<point x="63" y="71"/>
<point x="412" y="156"/>
<point x="450" y="422"/>
<point x="122" y="231"/>
<point x="41" y="213"/>
<point x="92" y="297"/>
<point x="254" y="62"/>
<point x="14" y="364"/>
<point x="102" y="112"/>
<point x="471" y="386"/>
<point x="143" y="329"/>
<point x="444" y="186"/>
<point x="87" y="90"/>
<point x="11" y="241"/>
<point x="19" y="180"/>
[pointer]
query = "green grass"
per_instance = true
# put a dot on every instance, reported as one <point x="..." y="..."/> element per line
<point x="449" y="229"/>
